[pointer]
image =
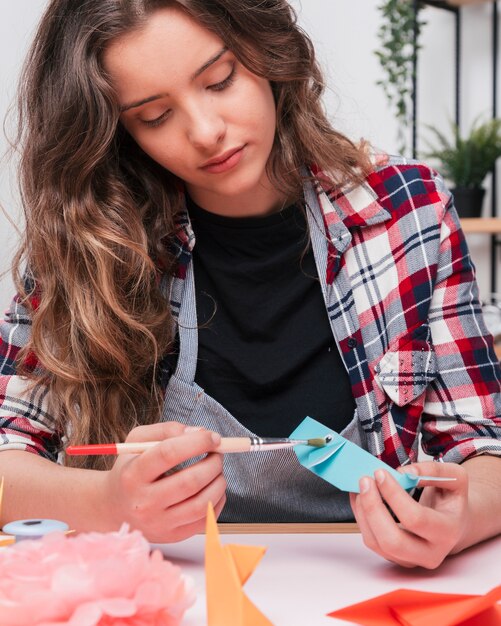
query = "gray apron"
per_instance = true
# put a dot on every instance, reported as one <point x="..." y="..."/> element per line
<point x="269" y="486"/>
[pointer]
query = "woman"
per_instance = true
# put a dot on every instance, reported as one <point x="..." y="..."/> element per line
<point x="149" y="125"/>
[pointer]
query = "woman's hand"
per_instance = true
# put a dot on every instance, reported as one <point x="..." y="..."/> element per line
<point x="428" y="530"/>
<point x="170" y="507"/>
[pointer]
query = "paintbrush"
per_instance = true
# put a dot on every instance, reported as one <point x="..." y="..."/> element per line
<point x="227" y="445"/>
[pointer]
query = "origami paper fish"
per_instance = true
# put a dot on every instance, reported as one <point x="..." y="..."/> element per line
<point x="227" y="568"/>
<point x="406" y="607"/>
<point x="341" y="462"/>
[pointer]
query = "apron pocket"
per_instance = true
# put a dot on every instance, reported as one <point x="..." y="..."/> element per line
<point x="181" y="401"/>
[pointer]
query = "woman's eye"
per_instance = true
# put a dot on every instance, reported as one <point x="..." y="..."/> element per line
<point x="158" y="120"/>
<point x="224" y="83"/>
<point x="215" y="87"/>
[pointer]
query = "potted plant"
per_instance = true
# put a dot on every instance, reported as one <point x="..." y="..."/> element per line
<point x="466" y="161"/>
<point x="399" y="34"/>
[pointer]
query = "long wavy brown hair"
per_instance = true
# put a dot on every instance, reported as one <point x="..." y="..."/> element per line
<point x="100" y="213"/>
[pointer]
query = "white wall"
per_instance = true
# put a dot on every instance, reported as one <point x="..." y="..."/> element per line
<point x="16" y="27"/>
<point x="346" y="42"/>
<point x="344" y="32"/>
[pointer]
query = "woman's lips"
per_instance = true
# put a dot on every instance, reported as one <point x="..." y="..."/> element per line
<point x="225" y="164"/>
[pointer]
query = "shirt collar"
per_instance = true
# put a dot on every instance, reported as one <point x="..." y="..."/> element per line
<point x="353" y="204"/>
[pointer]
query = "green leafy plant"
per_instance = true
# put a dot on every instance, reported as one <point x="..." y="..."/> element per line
<point x="466" y="161"/>
<point x="396" y="57"/>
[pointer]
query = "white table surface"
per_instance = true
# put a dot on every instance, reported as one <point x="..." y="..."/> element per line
<point x="302" y="577"/>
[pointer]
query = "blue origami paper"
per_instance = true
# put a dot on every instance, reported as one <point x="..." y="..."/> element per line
<point x="341" y="462"/>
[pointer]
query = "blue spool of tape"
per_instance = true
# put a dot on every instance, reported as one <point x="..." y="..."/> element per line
<point x="34" y="528"/>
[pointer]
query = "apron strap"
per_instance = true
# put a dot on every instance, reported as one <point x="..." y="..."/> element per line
<point x="188" y="330"/>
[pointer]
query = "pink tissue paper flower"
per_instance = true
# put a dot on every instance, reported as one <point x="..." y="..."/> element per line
<point x="91" y="579"/>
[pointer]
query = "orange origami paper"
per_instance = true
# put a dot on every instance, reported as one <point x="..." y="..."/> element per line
<point x="227" y="568"/>
<point x="405" y="607"/>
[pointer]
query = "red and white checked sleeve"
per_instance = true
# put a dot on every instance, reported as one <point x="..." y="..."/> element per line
<point x="25" y="422"/>
<point x="462" y="412"/>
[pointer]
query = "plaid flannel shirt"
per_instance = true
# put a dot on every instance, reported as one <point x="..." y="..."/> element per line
<point x="404" y="308"/>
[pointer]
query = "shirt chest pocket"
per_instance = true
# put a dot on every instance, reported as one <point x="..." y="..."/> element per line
<point x="408" y="366"/>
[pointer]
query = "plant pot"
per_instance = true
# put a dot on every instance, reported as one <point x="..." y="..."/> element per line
<point x="468" y="201"/>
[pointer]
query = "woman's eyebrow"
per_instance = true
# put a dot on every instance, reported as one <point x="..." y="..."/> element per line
<point x="138" y="103"/>
<point x="212" y="60"/>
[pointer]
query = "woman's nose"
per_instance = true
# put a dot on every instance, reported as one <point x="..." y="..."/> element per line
<point x="206" y="128"/>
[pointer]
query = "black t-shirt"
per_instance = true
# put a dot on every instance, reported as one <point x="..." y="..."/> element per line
<point x="266" y="349"/>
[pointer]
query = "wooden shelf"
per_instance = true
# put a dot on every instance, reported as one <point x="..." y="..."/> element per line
<point x="497" y="350"/>
<point x="490" y="225"/>
<point x="463" y="3"/>
<point x="453" y="5"/>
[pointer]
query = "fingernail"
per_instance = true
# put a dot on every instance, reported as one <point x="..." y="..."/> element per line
<point x="410" y="470"/>
<point x="192" y="429"/>
<point x="365" y="485"/>
<point x="216" y="438"/>
<point x="379" y="476"/>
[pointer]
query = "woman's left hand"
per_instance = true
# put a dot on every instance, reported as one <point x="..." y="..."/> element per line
<point x="427" y="530"/>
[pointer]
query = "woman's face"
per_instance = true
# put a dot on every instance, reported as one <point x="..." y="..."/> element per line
<point x="197" y="111"/>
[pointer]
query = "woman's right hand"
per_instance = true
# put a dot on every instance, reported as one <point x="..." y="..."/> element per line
<point x="170" y="507"/>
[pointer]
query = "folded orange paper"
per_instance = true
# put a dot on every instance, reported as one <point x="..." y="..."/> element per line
<point x="226" y="569"/>
<point x="406" y="607"/>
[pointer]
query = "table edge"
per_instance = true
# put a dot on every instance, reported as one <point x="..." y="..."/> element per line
<point x="291" y="528"/>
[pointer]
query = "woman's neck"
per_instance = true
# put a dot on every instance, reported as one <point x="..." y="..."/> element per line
<point x="261" y="201"/>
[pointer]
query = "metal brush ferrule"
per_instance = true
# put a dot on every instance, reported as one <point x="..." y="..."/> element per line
<point x="271" y="443"/>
